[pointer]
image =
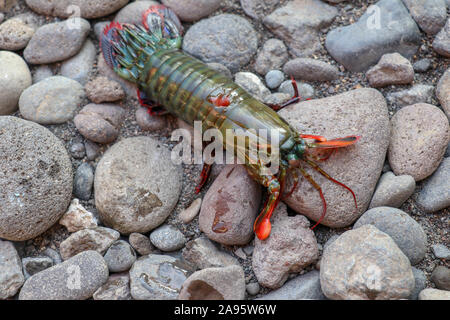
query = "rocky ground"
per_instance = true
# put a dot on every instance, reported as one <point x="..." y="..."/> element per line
<point x="92" y="207"/>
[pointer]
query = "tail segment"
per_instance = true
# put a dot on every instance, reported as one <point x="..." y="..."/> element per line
<point x="126" y="47"/>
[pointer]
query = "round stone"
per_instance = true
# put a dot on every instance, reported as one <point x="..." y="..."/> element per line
<point x="392" y="191"/>
<point x="14" y="78"/>
<point x="120" y="256"/>
<point x="311" y="70"/>
<point x="140" y="243"/>
<point x="419" y="137"/>
<point x="33" y="163"/>
<point x="132" y="13"/>
<point x="101" y="89"/>
<point x="192" y="10"/>
<point x="167" y="238"/>
<point x="148" y="122"/>
<point x="80" y="65"/>
<point x="84" y="179"/>
<point x="15" y="34"/>
<point x="272" y="56"/>
<point x="136" y="185"/>
<point x="274" y="78"/>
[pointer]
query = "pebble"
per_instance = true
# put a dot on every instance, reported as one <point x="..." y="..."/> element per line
<point x="418" y="93"/>
<point x="305" y="90"/>
<point x="404" y="230"/>
<point x="311" y="70"/>
<point x="258" y="9"/>
<point x="101" y="89"/>
<point x="290" y="248"/>
<point x="11" y="276"/>
<point x="227" y="39"/>
<point x="51" y="101"/>
<point x="227" y="283"/>
<point x="441" y="252"/>
<point x="366" y="264"/>
<point x="120" y="256"/>
<point x="441" y="43"/>
<point x="430" y="15"/>
<point x="362" y="44"/>
<point x="98" y="239"/>
<point x="167" y="238"/>
<point x="157" y="277"/>
<point x="220" y="67"/>
<point x="148" y="122"/>
<point x="140" y="243"/>
<point x="33" y="265"/>
<point x="441" y="277"/>
<point x="443" y="92"/>
<point x="136" y="185"/>
<point x="435" y="192"/>
<point x="92" y="150"/>
<point x="298" y="23"/>
<point x="83" y="181"/>
<point x="88" y="9"/>
<point x="132" y="13"/>
<point x="392" y="191"/>
<point x="252" y="84"/>
<point x="56" y="41"/>
<point x="77" y="218"/>
<point x="100" y="122"/>
<point x="80" y="66"/>
<point x="41" y="167"/>
<point x="15" y="34"/>
<point x="273" y="55"/>
<point x="274" y="78"/>
<point x="252" y="288"/>
<point x="116" y="288"/>
<point x="422" y="65"/>
<point x="421" y="281"/>
<point x="75" y="279"/>
<point x="392" y="68"/>
<point x="14" y="78"/>
<point x="202" y="253"/>
<point x="77" y="150"/>
<point x="42" y="72"/>
<point x="277" y="98"/>
<point x="359" y="167"/>
<point x="434" y="294"/>
<point x="419" y="137"/>
<point x="303" y="287"/>
<point x="188" y="214"/>
<point x="230" y="207"/>
<point x="192" y="10"/>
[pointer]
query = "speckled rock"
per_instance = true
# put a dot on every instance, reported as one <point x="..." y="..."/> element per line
<point x="56" y="41"/>
<point x="140" y="243"/>
<point x="100" y="122"/>
<point x="77" y="218"/>
<point x="290" y="248"/>
<point x="167" y="238"/>
<point x="252" y="84"/>
<point x="311" y="70"/>
<point x="75" y="279"/>
<point x="34" y="162"/>
<point x="443" y="92"/>
<point x="148" y="122"/>
<point x="221" y="68"/>
<point x="88" y="9"/>
<point x="157" y="277"/>
<point x="434" y="294"/>
<point x="132" y="13"/>
<point x="366" y="264"/>
<point x="77" y="150"/>
<point x="116" y="288"/>
<point x="189" y="213"/>
<point x="392" y="191"/>
<point x="430" y="15"/>
<point x="298" y="24"/>
<point x="304" y="287"/>
<point x="421" y="281"/>
<point x="227" y="38"/>
<point x="226" y="283"/>
<point x="33" y="265"/>
<point x="11" y="276"/>
<point x="80" y="66"/>
<point x="273" y="55"/>
<point x="441" y="43"/>
<point x="441" y="277"/>
<point x="14" y="78"/>
<point x="392" y="68"/>
<point x="358" y="112"/>
<point x="422" y="65"/>
<point x="136" y="185"/>
<point x="101" y="89"/>
<point x="361" y="44"/>
<point x="192" y="10"/>
<point x="52" y="100"/>
<point x="98" y="239"/>
<point x="440" y="251"/>
<point x="83" y="181"/>
<point x="120" y="256"/>
<point x="277" y="98"/>
<point x="230" y="207"/>
<point x="203" y="253"/>
<point x="419" y="136"/>
<point x="258" y="9"/>
<point x="419" y="93"/>
<point x="274" y="78"/>
<point x="435" y="192"/>
<point x="404" y="230"/>
<point x="15" y="34"/>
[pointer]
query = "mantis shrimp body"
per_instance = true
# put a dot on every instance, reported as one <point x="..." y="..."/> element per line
<point x="170" y="80"/>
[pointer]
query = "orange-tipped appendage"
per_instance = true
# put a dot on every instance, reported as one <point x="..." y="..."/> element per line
<point x="263" y="229"/>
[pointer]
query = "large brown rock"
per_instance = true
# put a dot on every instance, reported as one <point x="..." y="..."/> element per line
<point x="230" y="206"/>
<point x="392" y="68"/>
<point x="359" y="112"/>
